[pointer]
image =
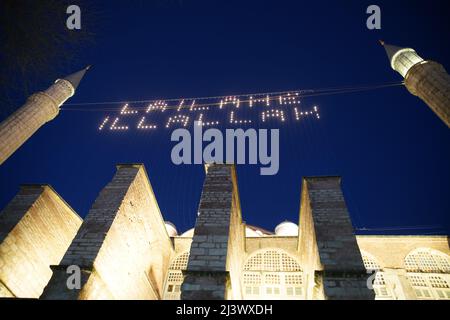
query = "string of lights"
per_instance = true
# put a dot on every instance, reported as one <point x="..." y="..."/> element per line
<point x="232" y="105"/>
<point x="235" y="99"/>
<point x="272" y="106"/>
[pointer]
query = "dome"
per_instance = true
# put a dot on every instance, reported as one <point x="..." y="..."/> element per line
<point x="171" y="229"/>
<point x="286" y="229"/>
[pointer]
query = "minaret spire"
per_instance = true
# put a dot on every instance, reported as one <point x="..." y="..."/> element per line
<point x="40" y="108"/>
<point x="76" y="77"/>
<point x="424" y="78"/>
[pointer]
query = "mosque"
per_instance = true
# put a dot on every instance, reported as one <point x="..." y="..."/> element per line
<point x="124" y="249"/>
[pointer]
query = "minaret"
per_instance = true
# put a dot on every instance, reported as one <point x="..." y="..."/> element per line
<point x="424" y="78"/>
<point x="40" y="108"/>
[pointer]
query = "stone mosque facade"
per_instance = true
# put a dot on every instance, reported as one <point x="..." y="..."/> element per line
<point x="124" y="249"/>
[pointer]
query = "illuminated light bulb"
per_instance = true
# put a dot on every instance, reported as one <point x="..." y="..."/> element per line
<point x="180" y="105"/>
<point x="113" y="125"/>
<point x="141" y="126"/>
<point x="103" y="123"/>
<point x="297" y="116"/>
<point x="163" y="105"/>
<point x="123" y="109"/>
<point x="178" y="119"/>
<point x="192" y="105"/>
<point x="126" y="111"/>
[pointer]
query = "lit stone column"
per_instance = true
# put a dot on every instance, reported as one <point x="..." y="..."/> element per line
<point x="36" y="228"/>
<point x="397" y="281"/>
<point x="332" y="262"/>
<point x="425" y="79"/>
<point x="122" y="248"/>
<point x="40" y="108"/>
<point x="217" y="249"/>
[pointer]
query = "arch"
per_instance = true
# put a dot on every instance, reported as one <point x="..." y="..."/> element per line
<point x="428" y="286"/>
<point x="427" y="260"/>
<point x="174" y="279"/>
<point x="180" y="262"/>
<point x="272" y="273"/>
<point x="271" y="259"/>
<point x="382" y="292"/>
<point x="428" y="271"/>
<point x="370" y="262"/>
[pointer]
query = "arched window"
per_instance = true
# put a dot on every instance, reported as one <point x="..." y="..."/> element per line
<point x="370" y="263"/>
<point x="430" y="286"/>
<point x="272" y="274"/>
<point x="427" y="260"/>
<point x="379" y="283"/>
<point x="428" y="271"/>
<point x="172" y="290"/>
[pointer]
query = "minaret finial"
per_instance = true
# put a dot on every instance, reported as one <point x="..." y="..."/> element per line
<point x="76" y="77"/>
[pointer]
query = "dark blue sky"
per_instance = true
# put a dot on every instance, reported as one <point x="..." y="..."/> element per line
<point x="391" y="150"/>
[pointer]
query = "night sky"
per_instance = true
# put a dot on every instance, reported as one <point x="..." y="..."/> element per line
<point x="390" y="148"/>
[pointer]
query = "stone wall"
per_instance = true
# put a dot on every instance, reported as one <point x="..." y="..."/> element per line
<point x="286" y="243"/>
<point x="122" y="247"/>
<point x="236" y="243"/>
<point x="327" y="245"/>
<point x="399" y="247"/>
<point x="390" y="252"/>
<point x="181" y="244"/>
<point x="36" y="228"/>
<point x="218" y="241"/>
<point x="308" y="249"/>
